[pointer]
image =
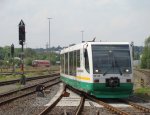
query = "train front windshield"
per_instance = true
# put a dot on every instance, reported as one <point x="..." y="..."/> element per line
<point x="111" y="59"/>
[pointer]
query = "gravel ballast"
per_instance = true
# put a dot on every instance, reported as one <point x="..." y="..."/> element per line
<point x="29" y="105"/>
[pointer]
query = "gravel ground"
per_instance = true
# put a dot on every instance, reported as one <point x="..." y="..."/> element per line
<point x="137" y="76"/>
<point x="21" y="92"/>
<point x="86" y="111"/>
<point x="7" y="88"/>
<point x="93" y="111"/>
<point x="29" y="105"/>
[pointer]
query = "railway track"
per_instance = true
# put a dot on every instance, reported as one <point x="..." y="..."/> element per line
<point x="80" y="106"/>
<point x="138" y="109"/>
<point x="27" y="79"/>
<point x="135" y="109"/>
<point x="14" y="95"/>
<point x="49" y="108"/>
<point x="78" y="110"/>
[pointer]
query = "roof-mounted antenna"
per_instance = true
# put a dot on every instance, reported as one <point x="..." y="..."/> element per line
<point x="94" y="39"/>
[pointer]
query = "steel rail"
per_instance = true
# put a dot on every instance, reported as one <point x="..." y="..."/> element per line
<point x="27" y="79"/>
<point x="139" y="107"/>
<point x="26" y="94"/>
<point x="49" y="108"/>
<point x="79" y="108"/>
<point x="24" y="88"/>
<point x="109" y="107"/>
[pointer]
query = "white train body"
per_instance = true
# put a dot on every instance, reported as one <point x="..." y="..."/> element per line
<point x="103" y="69"/>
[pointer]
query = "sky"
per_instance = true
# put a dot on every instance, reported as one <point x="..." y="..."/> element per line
<point x="107" y="20"/>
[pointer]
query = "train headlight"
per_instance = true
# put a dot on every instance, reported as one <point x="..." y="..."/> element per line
<point x="127" y="70"/>
<point x="96" y="70"/>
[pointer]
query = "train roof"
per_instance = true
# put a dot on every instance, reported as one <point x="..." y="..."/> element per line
<point x="109" y="42"/>
<point x="80" y="45"/>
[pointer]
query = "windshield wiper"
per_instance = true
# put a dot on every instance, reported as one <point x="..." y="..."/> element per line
<point x="112" y="66"/>
<point x="107" y="71"/>
<point x="116" y="63"/>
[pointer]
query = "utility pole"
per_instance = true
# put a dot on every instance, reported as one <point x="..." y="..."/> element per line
<point x="49" y="39"/>
<point x="46" y="47"/>
<point x="132" y="44"/>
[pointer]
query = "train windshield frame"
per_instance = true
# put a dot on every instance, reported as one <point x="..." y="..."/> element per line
<point x="111" y="59"/>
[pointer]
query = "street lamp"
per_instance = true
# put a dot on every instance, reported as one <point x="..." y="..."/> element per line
<point x="82" y="35"/>
<point x="49" y="36"/>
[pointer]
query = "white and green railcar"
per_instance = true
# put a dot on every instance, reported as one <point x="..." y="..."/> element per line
<point x="102" y="69"/>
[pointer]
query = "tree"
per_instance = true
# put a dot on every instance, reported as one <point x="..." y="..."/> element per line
<point x="145" y="60"/>
<point x="28" y="61"/>
<point x="29" y="52"/>
<point x="1" y="53"/>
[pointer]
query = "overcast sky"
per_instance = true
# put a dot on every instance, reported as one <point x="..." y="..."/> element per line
<point x="107" y="20"/>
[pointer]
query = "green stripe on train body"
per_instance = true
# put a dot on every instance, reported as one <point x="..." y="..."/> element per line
<point x="100" y="90"/>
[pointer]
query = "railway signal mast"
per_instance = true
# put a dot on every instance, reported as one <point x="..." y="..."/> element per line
<point x="22" y="40"/>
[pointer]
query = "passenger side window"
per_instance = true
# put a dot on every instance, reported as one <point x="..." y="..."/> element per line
<point x="74" y="63"/>
<point x="71" y="69"/>
<point x="66" y="63"/>
<point x="78" y="58"/>
<point x="86" y="60"/>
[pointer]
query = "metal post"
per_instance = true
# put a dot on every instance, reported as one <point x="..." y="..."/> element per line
<point x="22" y="66"/>
<point x="148" y="60"/>
<point x="12" y="55"/>
<point x="13" y="65"/>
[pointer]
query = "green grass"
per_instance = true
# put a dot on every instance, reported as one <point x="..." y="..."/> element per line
<point x="13" y="77"/>
<point x="32" y="72"/>
<point x="8" y="77"/>
<point x="143" y="92"/>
